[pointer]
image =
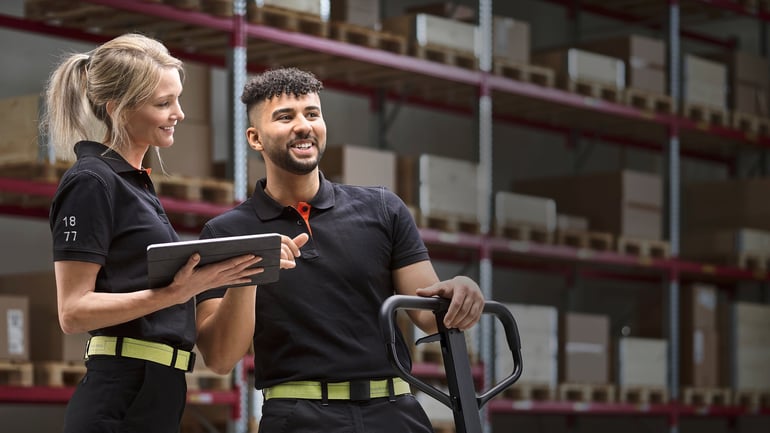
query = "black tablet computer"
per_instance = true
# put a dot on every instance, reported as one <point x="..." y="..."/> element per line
<point x="164" y="260"/>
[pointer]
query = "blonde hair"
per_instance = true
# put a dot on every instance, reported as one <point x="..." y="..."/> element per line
<point x="124" y="72"/>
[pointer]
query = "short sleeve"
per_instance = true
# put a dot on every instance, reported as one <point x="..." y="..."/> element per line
<point x="81" y="219"/>
<point x="408" y="247"/>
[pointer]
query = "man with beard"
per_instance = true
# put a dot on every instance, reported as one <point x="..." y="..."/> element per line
<point x="319" y="357"/>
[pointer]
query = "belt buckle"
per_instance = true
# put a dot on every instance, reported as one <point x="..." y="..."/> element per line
<point x="360" y="390"/>
<point x="191" y="362"/>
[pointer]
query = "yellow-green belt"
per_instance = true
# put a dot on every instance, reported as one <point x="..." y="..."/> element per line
<point x="140" y="349"/>
<point x="311" y="390"/>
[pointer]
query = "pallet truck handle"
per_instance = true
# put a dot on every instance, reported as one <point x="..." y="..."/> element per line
<point x="439" y="306"/>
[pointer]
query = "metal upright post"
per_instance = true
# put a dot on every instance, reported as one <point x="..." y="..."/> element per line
<point x="487" y="348"/>
<point x="237" y="79"/>
<point x="673" y="211"/>
<point x="239" y="163"/>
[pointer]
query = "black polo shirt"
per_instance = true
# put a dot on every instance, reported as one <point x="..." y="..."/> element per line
<point x="106" y="212"/>
<point x="320" y="321"/>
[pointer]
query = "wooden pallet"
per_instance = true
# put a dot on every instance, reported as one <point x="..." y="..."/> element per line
<point x="202" y="378"/>
<point x="524" y="232"/>
<point x="16" y="373"/>
<point x="643" y="247"/>
<point x="586" y="392"/>
<point x="752" y="398"/>
<point x="366" y="37"/>
<point x="594" y="90"/>
<point x="194" y="189"/>
<point x="220" y="8"/>
<point x="528" y="73"/>
<point x="705" y="115"/>
<point x="448" y="223"/>
<point x="648" y="101"/>
<point x="751" y="124"/>
<point x="529" y="391"/>
<point x="643" y="394"/>
<point x="34" y="170"/>
<point x="707" y="396"/>
<point x="289" y="20"/>
<point x="446" y="56"/>
<point x="600" y="241"/>
<point x="58" y="374"/>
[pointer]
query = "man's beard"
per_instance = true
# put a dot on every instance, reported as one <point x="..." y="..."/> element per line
<point x="284" y="160"/>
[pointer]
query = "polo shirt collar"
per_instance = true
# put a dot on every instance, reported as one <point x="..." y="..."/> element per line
<point x="99" y="150"/>
<point x="267" y="209"/>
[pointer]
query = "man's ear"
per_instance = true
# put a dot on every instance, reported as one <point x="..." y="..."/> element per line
<point x="252" y="136"/>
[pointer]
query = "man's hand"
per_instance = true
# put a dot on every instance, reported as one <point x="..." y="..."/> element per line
<point x="290" y="249"/>
<point x="467" y="301"/>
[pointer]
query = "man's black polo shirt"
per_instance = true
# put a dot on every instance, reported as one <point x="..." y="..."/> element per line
<point x="320" y="321"/>
<point x="106" y="212"/>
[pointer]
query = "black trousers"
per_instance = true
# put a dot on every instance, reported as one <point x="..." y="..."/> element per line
<point x="404" y="415"/>
<point x="122" y="395"/>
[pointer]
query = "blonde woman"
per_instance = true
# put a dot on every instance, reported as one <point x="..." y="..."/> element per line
<point x="107" y="108"/>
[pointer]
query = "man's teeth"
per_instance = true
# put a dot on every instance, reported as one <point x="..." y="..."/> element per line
<point x="303" y="145"/>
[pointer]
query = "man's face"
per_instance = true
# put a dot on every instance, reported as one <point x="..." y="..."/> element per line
<point x="290" y="132"/>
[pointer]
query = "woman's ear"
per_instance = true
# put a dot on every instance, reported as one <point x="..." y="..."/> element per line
<point x="110" y="107"/>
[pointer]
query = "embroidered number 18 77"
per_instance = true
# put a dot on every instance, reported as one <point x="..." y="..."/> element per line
<point x="70" y="222"/>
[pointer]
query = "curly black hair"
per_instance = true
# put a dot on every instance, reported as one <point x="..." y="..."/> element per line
<point x="277" y="82"/>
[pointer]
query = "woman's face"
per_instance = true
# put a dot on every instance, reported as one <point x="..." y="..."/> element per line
<point x="152" y="124"/>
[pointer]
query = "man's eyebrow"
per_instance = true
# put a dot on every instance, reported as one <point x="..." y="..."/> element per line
<point x="280" y="111"/>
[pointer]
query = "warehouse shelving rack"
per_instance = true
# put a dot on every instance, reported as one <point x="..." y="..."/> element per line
<point x="222" y="41"/>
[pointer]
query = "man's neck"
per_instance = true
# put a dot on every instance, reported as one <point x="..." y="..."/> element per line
<point x="290" y="189"/>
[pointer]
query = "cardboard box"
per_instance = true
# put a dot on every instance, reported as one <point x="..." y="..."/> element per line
<point x="538" y="331"/>
<point x="47" y="341"/>
<point x="573" y="64"/>
<point x="196" y="96"/>
<point x="430" y="30"/>
<point x="642" y="362"/>
<point x="571" y="222"/>
<point x="14" y="328"/>
<point x="191" y="155"/>
<point x="520" y="209"/>
<point x="699" y="306"/>
<point x="705" y="82"/>
<point x="358" y="165"/>
<point x="511" y="40"/>
<point x="745" y="346"/>
<point x="724" y="244"/>
<point x="584" y="348"/>
<point x="439" y="186"/>
<point x="699" y="357"/>
<point x="626" y="203"/>
<point x="449" y="10"/>
<point x="319" y="8"/>
<point x="364" y="13"/>
<point x="740" y="203"/>
<point x="20" y="121"/>
<point x="645" y="59"/>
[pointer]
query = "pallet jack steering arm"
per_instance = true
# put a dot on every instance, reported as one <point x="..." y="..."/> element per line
<point x="462" y="398"/>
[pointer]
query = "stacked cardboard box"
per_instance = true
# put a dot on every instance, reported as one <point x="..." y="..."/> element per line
<point x="705" y="83"/>
<point x="14" y="328"/>
<point x="573" y="65"/>
<point x="440" y="186"/>
<point x="584" y="348"/>
<point x="425" y="30"/>
<point x="46" y="340"/>
<point x="538" y="332"/>
<point x="513" y="209"/>
<point x="748" y="81"/>
<point x="644" y="57"/>
<point x="364" y="13"/>
<point x="699" y="337"/>
<point x="20" y="121"/>
<point x="642" y="362"/>
<point x="626" y="203"/>
<point x="318" y="8"/>
<point x="358" y="165"/>
<point x="726" y="204"/>
<point x="746" y="349"/>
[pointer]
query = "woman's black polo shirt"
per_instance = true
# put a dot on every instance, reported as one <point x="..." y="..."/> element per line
<point x="320" y="321"/>
<point x="106" y="212"/>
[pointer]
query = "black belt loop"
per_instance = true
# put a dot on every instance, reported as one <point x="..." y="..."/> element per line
<point x="391" y="391"/>
<point x="119" y="346"/>
<point x="173" y="357"/>
<point x="324" y="393"/>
